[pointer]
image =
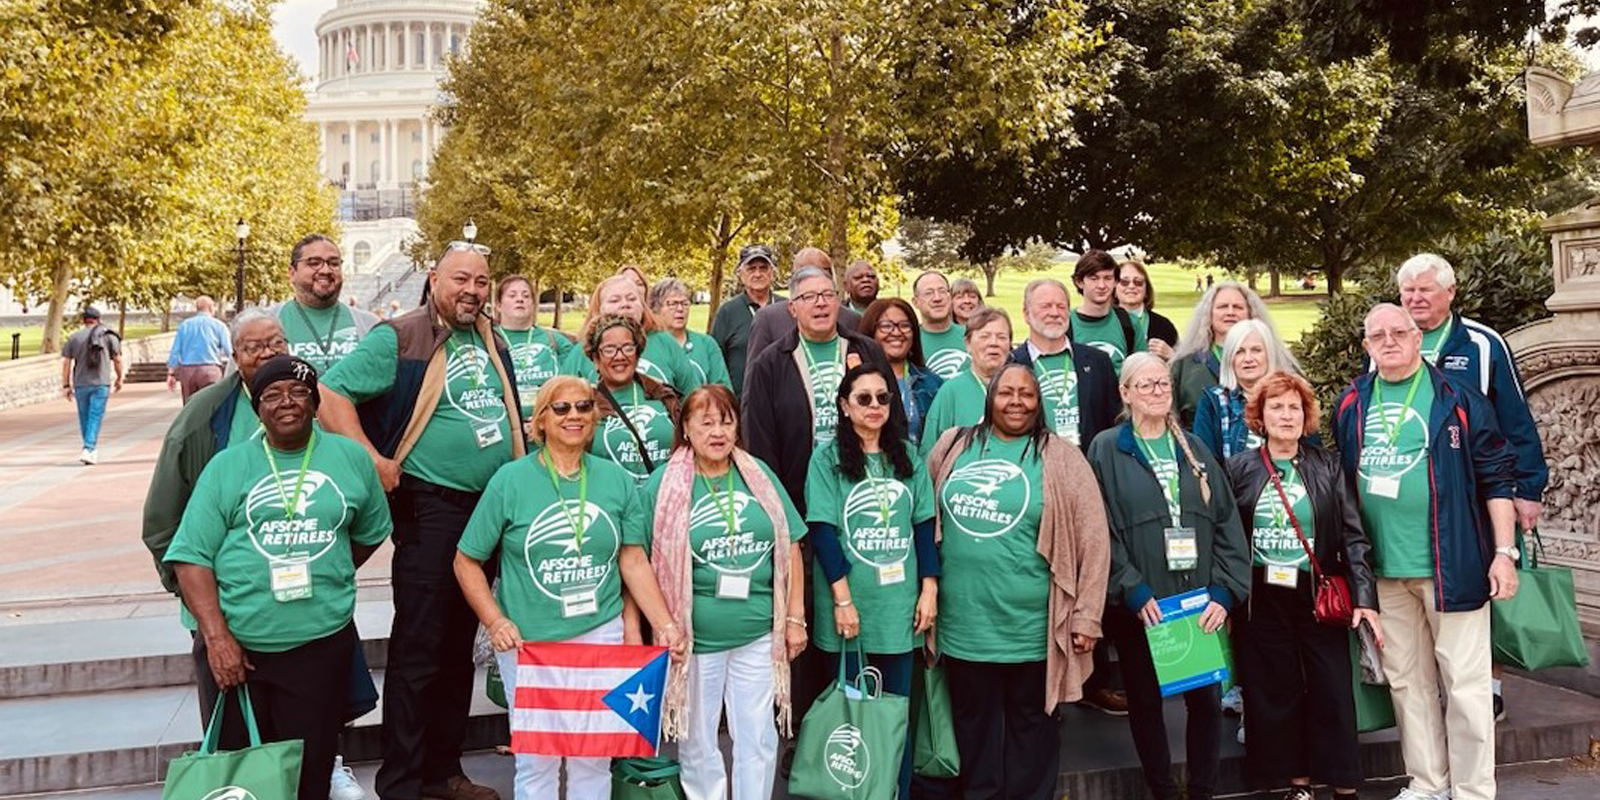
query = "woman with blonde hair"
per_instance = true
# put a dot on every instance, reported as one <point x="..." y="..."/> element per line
<point x="663" y="359"/>
<point x="1250" y="351"/>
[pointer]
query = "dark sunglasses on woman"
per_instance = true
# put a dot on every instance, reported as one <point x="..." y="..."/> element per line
<point x="562" y="408"/>
<point x="865" y="399"/>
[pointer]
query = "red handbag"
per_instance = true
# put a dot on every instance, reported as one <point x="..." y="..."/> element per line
<point x="1330" y="603"/>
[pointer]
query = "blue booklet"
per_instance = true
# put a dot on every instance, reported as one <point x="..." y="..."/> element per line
<point x="1185" y="656"/>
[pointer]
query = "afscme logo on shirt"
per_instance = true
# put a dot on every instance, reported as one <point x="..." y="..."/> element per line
<point x="313" y="526"/>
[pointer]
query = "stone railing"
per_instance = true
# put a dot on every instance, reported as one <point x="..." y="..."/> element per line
<point x="38" y="378"/>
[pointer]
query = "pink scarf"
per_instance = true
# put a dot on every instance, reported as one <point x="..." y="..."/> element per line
<point x="669" y="557"/>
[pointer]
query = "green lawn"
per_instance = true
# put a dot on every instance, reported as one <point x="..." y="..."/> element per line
<point x="1294" y="313"/>
<point x="32" y="334"/>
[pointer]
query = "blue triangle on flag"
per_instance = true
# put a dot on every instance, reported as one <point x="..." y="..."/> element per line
<point x="638" y="699"/>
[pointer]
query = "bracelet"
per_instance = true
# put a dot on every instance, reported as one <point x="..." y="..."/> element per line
<point x="796" y="621"/>
<point x="845" y="604"/>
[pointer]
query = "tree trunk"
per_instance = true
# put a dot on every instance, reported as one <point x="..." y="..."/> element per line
<point x="838" y="203"/>
<point x="166" y="317"/>
<point x="556" y="323"/>
<point x="535" y="286"/>
<point x="719" y="263"/>
<point x="59" y="288"/>
<point x="1275" y="286"/>
<point x="122" y="320"/>
<point x="1335" y="272"/>
<point x="991" y="268"/>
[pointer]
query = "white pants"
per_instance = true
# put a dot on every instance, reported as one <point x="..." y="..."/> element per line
<point x="1449" y="749"/>
<point x="739" y="680"/>
<point x="539" y="777"/>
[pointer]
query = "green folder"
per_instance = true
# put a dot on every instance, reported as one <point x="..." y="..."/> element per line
<point x="1185" y="656"/>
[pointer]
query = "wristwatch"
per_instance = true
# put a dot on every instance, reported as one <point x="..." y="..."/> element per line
<point x="1509" y="551"/>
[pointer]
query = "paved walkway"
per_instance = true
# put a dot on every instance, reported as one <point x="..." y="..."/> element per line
<point x="71" y="532"/>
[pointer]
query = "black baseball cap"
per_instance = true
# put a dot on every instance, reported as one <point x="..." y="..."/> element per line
<point x="754" y="252"/>
<point x="90" y="312"/>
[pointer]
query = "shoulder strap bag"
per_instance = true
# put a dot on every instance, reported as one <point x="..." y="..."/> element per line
<point x="1331" y="600"/>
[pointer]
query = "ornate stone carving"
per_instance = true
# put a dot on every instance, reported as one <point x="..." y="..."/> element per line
<point x="1568" y="415"/>
<point x="1583" y="261"/>
<point x="1534" y="365"/>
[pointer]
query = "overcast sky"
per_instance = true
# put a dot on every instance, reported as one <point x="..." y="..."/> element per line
<point x="294" y="22"/>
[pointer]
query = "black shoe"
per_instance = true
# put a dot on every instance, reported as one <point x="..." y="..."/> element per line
<point x="1499" y="709"/>
<point x="1298" y="793"/>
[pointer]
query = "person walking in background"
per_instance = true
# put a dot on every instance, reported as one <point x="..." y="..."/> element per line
<point x="91" y="369"/>
<point x="199" y="350"/>
<point x="731" y="325"/>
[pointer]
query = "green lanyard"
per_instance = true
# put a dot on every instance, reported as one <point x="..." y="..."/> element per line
<point x="324" y="344"/>
<point x="575" y="522"/>
<point x="1438" y="346"/>
<point x="725" y="504"/>
<point x="290" y="504"/>
<point x="884" y="504"/>
<point x="1069" y="374"/>
<point x="811" y="363"/>
<point x="1393" y="432"/>
<point x="478" y="376"/>
<point x="1170" y="485"/>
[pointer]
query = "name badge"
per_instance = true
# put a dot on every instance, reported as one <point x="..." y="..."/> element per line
<point x="1287" y="577"/>
<point x="488" y="435"/>
<point x="1383" y="486"/>
<point x="579" y="602"/>
<point x="1183" y="549"/>
<point x="733" y="587"/>
<point x="892" y="573"/>
<point x="291" y="580"/>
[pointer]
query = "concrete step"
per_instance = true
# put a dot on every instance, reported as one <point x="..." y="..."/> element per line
<point x="147" y="372"/>
<point x="96" y="655"/>
<point x="127" y="737"/>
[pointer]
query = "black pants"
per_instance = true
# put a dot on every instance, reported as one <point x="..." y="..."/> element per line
<point x="300" y="693"/>
<point x="1300" y="712"/>
<point x="427" y="686"/>
<point x="1010" y="748"/>
<point x="1149" y="724"/>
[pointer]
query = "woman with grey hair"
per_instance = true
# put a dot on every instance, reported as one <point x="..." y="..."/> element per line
<point x="965" y="299"/>
<point x="1197" y="361"/>
<point x="670" y="301"/>
<point x="1249" y="352"/>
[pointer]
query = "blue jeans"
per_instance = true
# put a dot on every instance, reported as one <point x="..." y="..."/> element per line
<point x="91" y="409"/>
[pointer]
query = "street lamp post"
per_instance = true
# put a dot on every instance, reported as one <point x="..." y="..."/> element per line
<point x="469" y="232"/>
<point x="242" y="231"/>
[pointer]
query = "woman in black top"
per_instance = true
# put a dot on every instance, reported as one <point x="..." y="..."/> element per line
<point x="1137" y="296"/>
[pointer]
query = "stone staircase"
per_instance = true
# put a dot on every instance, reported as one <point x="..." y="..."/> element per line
<point x="390" y="281"/>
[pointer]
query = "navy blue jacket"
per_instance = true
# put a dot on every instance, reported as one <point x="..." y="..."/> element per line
<point x="1099" y="402"/>
<point x="1219" y="422"/>
<point x="924" y="386"/>
<point x="1474" y="355"/>
<point x="1468" y="465"/>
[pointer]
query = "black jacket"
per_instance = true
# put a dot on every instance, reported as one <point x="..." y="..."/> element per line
<point x="1099" y="402"/>
<point x="776" y="414"/>
<point x="1161" y="328"/>
<point x="1340" y="541"/>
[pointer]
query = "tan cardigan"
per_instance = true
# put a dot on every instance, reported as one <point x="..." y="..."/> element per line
<point x="1075" y="541"/>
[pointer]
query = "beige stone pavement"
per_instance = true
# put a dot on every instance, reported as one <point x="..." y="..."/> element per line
<point x="69" y="533"/>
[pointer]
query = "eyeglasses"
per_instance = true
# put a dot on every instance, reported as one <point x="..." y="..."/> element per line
<point x="865" y="399"/>
<point x="937" y="291"/>
<point x="1139" y="282"/>
<point x="317" y="262"/>
<point x="562" y="408"/>
<point x="1398" y="335"/>
<point x="890" y="326"/>
<point x="815" y="298"/>
<point x="675" y="304"/>
<point x="1157" y="386"/>
<point x="253" y="348"/>
<point x="458" y="245"/>
<point x="614" y="350"/>
<point x="298" y="394"/>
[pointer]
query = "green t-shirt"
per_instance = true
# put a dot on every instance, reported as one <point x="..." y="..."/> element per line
<point x="705" y="357"/>
<point x="1273" y="539"/>
<point x="1141" y="323"/>
<point x="1162" y="454"/>
<point x="1106" y="335"/>
<point x="615" y="442"/>
<point x="945" y="353"/>
<point x="825" y="362"/>
<point x="995" y="590"/>
<point x="555" y="585"/>
<point x="321" y="336"/>
<point x="732" y="572"/>
<point x="959" y="403"/>
<point x="1433" y="341"/>
<point x="1393" y="478"/>
<point x="471" y="410"/>
<point x="536" y="355"/>
<point x="882" y="557"/>
<point x="1058" y="386"/>
<point x="236" y="525"/>
<point x="663" y="360"/>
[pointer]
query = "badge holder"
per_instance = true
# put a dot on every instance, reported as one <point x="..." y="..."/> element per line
<point x="733" y="587"/>
<point x="291" y="579"/>
<point x="1183" y="550"/>
<point x="488" y="435"/>
<point x="890" y="574"/>
<point x="579" y="601"/>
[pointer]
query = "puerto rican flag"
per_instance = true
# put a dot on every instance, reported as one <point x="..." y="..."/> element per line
<point x="588" y="700"/>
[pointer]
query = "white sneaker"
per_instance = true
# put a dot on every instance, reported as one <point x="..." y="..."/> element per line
<point x="88" y="456"/>
<point x="343" y="785"/>
<point x="1241" y="729"/>
<point x="1409" y="794"/>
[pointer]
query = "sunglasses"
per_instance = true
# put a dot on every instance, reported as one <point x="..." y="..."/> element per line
<point x="865" y="399"/>
<point x="458" y="245"/>
<point x="562" y="408"/>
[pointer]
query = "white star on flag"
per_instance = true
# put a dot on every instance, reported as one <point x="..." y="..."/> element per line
<point x="640" y="699"/>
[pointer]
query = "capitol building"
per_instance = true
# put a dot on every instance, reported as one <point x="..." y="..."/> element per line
<point x="379" y="63"/>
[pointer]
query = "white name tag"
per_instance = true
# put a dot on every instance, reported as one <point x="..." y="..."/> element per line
<point x="892" y="573"/>
<point x="488" y="435"/>
<point x="733" y="587"/>
<point x="291" y="580"/>
<point x="1183" y="549"/>
<point x="1383" y="486"/>
<point x="579" y="602"/>
<point x="1287" y="577"/>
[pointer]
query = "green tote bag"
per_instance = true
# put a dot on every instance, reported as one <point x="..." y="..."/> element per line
<point x="260" y="771"/>
<point x="1538" y="627"/>
<point x="1374" y="706"/>
<point x="851" y="740"/>
<point x="645" y="779"/>
<point x="934" y="738"/>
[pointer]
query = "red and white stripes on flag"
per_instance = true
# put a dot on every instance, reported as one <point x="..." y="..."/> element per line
<point x="588" y="700"/>
<point x="351" y="57"/>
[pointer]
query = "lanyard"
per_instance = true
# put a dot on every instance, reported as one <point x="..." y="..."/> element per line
<point x="1069" y="374"/>
<point x="1170" y="485"/>
<point x="575" y="522"/>
<point x="1393" y="433"/>
<point x="725" y="502"/>
<point x="290" y="504"/>
<point x="478" y="376"/>
<point x="908" y="398"/>
<point x="1438" y="346"/>
<point x="811" y="363"/>
<point x="877" y="489"/>
<point x="325" y="344"/>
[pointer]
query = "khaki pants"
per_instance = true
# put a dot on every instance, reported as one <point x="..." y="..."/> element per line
<point x="1449" y="749"/>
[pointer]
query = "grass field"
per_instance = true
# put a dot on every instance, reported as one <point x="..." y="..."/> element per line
<point x="32" y="334"/>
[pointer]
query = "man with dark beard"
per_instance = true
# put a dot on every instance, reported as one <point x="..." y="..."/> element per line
<point x="432" y="396"/>
<point x="320" y="329"/>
